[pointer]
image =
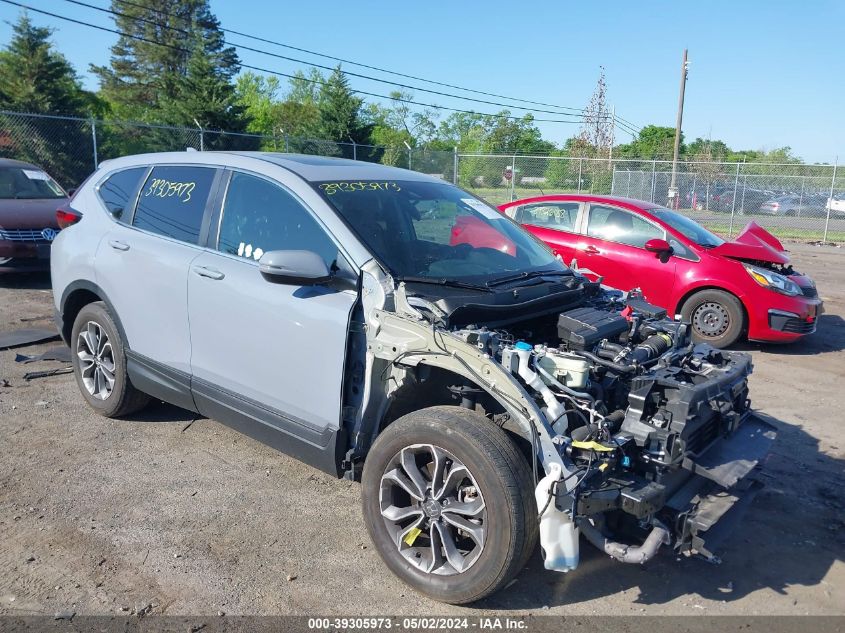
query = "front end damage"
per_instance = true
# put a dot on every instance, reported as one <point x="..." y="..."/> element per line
<point x="645" y="440"/>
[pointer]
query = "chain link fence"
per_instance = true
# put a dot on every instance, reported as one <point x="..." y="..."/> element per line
<point x="793" y="201"/>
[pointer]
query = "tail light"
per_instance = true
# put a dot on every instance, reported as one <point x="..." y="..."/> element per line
<point x="775" y="205"/>
<point x="67" y="216"/>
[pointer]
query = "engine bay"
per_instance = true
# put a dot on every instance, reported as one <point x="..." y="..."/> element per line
<point x="635" y="408"/>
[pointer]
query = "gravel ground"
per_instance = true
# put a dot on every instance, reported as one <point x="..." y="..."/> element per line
<point x="158" y="514"/>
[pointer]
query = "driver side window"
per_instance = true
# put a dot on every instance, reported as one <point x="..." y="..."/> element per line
<point x="260" y="216"/>
<point x="618" y="225"/>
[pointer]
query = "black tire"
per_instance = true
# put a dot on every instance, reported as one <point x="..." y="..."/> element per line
<point x="123" y="398"/>
<point x="717" y="317"/>
<point x="504" y="485"/>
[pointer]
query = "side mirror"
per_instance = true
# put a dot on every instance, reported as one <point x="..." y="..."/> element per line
<point x="297" y="268"/>
<point x="661" y="248"/>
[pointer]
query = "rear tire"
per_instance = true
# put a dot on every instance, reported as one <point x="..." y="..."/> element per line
<point x="481" y="471"/>
<point x="99" y="364"/>
<point x="717" y="317"/>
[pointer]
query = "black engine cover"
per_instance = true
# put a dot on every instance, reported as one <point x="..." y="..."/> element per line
<point x="583" y="328"/>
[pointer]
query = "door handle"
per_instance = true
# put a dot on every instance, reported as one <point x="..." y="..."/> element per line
<point x="210" y="273"/>
<point x="119" y="246"/>
<point x="591" y="250"/>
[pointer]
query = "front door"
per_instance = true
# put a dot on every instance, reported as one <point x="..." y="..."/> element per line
<point x="268" y="358"/>
<point x="614" y="247"/>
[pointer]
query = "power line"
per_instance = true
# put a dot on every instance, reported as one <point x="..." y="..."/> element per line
<point x="369" y="67"/>
<point x="321" y="66"/>
<point x="281" y="74"/>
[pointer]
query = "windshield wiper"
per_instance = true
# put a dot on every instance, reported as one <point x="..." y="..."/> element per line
<point x="527" y="275"/>
<point x="443" y="281"/>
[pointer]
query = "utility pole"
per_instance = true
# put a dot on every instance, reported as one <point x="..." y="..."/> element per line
<point x="612" y="135"/>
<point x="673" y="186"/>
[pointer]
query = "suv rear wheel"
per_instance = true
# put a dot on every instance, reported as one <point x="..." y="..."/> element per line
<point x="448" y="503"/>
<point x="99" y="364"/>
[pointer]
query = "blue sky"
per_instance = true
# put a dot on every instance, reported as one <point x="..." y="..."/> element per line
<point x="763" y="74"/>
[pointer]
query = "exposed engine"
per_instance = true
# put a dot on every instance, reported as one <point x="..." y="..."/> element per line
<point x="638" y="410"/>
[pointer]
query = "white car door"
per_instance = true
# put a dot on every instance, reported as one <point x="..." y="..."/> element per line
<point x="268" y="358"/>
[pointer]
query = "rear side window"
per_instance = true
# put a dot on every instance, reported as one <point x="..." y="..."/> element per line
<point x="118" y="190"/>
<point x="554" y="215"/>
<point x="172" y="201"/>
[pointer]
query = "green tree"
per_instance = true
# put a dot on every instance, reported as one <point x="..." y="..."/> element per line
<point x="149" y="63"/>
<point x="257" y="96"/>
<point x="205" y="95"/>
<point x="340" y="111"/>
<point x="36" y="78"/>
<point x="653" y="142"/>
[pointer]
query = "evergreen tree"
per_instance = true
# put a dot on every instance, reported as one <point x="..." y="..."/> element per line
<point x="35" y="78"/>
<point x="340" y="111"/>
<point x="149" y="63"/>
<point x="205" y="95"/>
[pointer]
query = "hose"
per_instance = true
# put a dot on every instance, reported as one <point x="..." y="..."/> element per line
<point x="625" y="553"/>
<point x="621" y="369"/>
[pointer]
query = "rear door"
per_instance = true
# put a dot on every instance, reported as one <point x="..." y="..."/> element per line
<point x="614" y="247"/>
<point x="555" y="223"/>
<point x="268" y="358"/>
<point x="142" y="265"/>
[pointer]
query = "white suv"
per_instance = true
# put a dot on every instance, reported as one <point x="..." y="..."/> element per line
<point x="387" y="326"/>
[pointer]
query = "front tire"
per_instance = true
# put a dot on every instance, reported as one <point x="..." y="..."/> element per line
<point x="717" y="317"/>
<point x="99" y="364"/>
<point x="448" y="502"/>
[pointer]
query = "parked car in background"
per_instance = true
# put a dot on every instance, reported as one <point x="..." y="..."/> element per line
<point x="836" y="204"/>
<point x="725" y="289"/>
<point x="28" y="202"/>
<point x="793" y="205"/>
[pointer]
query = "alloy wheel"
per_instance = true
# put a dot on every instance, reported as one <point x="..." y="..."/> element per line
<point x="433" y="509"/>
<point x="96" y="360"/>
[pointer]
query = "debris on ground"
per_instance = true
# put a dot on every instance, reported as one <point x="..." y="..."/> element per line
<point x="26" y="336"/>
<point x="31" y="375"/>
<point x="61" y="354"/>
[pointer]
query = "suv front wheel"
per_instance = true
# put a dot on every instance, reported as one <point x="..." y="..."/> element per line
<point x="447" y="499"/>
<point x="99" y="364"/>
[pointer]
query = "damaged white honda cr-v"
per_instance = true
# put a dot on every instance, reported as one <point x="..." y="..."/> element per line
<point x="387" y="326"/>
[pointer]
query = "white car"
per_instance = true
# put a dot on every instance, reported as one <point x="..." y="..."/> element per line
<point x="836" y="204"/>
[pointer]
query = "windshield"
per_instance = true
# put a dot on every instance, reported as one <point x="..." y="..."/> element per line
<point x="691" y="229"/>
<point x="435" y="231"/>
<point x="22" y="183"/>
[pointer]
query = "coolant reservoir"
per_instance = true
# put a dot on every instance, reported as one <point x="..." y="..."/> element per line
<point x="569" y="369"/>
<point x="558" y="534"/>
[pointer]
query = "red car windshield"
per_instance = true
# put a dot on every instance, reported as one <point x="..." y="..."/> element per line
<point x="436" y="231"/>
<point x="27" y="183"/>
<point x="689" y="228"/>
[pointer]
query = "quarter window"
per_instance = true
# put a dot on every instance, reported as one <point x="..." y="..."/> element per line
<point x="616" y="225"/>
<point x="172" y="201"/>
<point x="118" y="190"/>
<point x="556" y="215"/>
<point x="260" y="216"/>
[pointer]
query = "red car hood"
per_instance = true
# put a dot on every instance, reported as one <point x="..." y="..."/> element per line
<point x="754" y="243"/>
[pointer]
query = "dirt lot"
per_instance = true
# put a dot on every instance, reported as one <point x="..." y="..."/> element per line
<point x="99" y="515"/>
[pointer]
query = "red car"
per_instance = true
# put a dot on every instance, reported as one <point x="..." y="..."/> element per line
<point x="725" y="289"/>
